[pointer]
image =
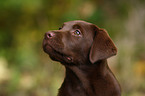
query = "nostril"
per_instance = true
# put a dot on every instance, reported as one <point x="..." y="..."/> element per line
<point x="49" y="35"/>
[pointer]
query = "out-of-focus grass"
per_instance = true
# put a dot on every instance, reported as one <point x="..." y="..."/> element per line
<point x="25" y="70"/>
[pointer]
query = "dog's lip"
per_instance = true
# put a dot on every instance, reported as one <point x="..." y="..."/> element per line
<point x="69" y="58"/>
<point x="46" y="44"/>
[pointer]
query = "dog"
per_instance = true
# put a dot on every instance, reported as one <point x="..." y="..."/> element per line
<point x="83" y="49"/>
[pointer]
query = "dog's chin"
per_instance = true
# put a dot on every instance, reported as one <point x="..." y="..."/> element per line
<point x="57" y="56"/>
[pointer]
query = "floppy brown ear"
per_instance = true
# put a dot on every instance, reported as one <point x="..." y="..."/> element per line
<point x="102" y="47"/>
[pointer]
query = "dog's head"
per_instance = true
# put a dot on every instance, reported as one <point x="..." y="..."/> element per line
<point x="78" y="42"/>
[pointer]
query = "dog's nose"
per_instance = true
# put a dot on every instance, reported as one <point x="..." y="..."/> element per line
<point x="49" y="34"/>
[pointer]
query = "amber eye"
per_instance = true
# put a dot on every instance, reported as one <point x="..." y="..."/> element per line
<point x="77" y="32"/>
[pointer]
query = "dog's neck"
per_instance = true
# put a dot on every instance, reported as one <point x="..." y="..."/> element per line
<point x="84" y="72"/>
<point x="99" y="68"/>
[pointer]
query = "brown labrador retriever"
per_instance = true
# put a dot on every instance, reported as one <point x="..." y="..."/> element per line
<point x="83" y="49"/>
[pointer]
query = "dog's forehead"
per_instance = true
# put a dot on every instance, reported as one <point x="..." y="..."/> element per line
<point x="84" y="26"/>
<point x="76" y="21"/>
<point x="79" y="22"/>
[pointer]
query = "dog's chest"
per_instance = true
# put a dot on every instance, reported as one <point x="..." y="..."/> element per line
<point x="71" y="89"/>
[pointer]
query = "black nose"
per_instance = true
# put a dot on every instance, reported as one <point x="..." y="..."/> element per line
<point x="49" y="34"/>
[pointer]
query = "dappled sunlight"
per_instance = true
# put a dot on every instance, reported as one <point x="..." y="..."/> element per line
<point x="4" y="71"/>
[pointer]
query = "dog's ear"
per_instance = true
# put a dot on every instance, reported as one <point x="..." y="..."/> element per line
<point x="102" y="47"/>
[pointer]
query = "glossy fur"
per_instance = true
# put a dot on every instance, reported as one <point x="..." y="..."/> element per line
<point x="83" y="49"/>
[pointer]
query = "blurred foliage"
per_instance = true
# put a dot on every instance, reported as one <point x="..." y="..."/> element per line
<point x="25" y="70"/>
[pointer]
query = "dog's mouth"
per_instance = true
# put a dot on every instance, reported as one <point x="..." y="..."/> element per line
<point x="57" y="55"/>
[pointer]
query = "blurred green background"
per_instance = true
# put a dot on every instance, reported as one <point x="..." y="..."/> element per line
<point x="25" y="70"/>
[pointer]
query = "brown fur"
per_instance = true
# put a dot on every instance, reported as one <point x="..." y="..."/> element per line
<point x="83" y="49"/>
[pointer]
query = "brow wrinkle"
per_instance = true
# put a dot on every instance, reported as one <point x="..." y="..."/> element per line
<point x="76" y="26"/>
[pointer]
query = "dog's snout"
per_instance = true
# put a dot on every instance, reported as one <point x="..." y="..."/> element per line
<point x="49" y="34"/>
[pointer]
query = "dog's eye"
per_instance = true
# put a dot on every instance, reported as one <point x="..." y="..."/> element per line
<point x="77" y="32"/>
